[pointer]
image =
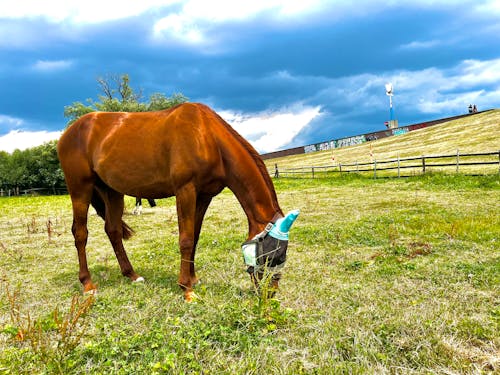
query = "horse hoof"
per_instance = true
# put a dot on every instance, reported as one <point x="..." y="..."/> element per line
<point x="189" y="297"/>
<point x="140" y="279"/>
<point x="89" y="288"/>
<point x="90" y="292"/>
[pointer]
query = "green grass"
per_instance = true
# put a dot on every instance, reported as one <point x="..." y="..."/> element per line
<point x="394" y="276"/>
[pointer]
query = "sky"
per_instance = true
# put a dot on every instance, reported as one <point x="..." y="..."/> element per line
<point x="282" y="73"/>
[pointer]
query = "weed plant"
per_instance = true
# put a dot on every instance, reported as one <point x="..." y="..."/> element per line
<point x="389" y="276"/>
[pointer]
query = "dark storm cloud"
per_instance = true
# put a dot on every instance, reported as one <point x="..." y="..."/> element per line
<point x="439" y="58"/>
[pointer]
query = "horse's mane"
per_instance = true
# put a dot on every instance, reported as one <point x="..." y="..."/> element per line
<point x="257" y="159"/>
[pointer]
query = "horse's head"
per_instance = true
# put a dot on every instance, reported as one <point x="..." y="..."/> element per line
<point x="265" y="254"/>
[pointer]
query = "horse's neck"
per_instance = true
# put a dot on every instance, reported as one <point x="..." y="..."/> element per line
<point x="255" y="192"/>
<point x="246" y="175"/>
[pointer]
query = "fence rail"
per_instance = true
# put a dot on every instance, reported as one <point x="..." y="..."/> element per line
<point x="33" y="191"/>
<point x="466" y="163"/>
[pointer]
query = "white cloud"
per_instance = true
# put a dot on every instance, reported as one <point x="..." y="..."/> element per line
<point x="52" y="65"/>
<point x="443" y="91"/>
<point x="421" y="44"/>
<point x="180" y="28"/>
<point x="270" y="131"/>
<point x="90" y="11"/>
<point x="196" y="19"/>
<point x="10" y="122"/>
<point x="436" y="103"/>
<point x="96" y="11"/>
<point x="22" y="140"/>
<point x="431" y="90"/>
<point x="489" y="7"/>
<point x="475" y="72"/>
<point x="187" y="21"/>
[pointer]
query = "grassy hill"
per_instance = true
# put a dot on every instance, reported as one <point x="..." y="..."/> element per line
<point x="478" y="133"/>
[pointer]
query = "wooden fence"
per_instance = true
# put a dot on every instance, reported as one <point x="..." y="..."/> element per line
<point x="470" y="163"/>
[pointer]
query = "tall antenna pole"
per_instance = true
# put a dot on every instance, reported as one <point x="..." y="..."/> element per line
<point x="391" y="111"/>
<point x="389" y="90"/>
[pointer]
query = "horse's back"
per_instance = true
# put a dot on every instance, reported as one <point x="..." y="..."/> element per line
<point x="124" y="127"/>
<point x="147" y="153"/>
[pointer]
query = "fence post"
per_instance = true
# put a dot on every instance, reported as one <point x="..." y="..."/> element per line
<point x="399" y="173"/>
<point x="357" y="167"/>
<point x="276" y="171"/>
<point x="458" y="160"/>
<point x="498" y="161"/>
<point x="312" y="170"/>
<point x="340" y="168"/>
<point x="374" y="168"/>
<point x="423" y="164"/>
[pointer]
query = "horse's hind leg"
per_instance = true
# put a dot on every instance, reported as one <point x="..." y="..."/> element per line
<point x="114" y="229"/>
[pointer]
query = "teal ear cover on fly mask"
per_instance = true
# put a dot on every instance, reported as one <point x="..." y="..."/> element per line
<point x="282" y="226"/>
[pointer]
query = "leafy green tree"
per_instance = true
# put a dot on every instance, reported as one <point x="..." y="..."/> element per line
<point x="158" y="101"/>
<point x="118" y="96"/>
<point x="17" y="169"/>
<point x="4" y="160"/>
<point x="46" y="163"/>
<point x="34" y="167"/>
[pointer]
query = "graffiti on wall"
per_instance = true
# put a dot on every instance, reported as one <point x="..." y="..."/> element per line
<point x="330" y="145"/>
<point x="310" y="148"/>
<point x="358" y="139"/>
<point x="325" y="146"/>
<point x="351" y="141"/>
<point x="399" y="131"/>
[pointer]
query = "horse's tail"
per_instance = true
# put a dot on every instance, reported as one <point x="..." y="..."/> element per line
<point x="98" y="203"/>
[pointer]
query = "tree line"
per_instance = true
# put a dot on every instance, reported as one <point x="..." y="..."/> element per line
<point x="38" y="167"/>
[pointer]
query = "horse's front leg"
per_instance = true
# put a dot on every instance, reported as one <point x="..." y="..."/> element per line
<point x="186" y="210"/>
<point x="202" y="203"/>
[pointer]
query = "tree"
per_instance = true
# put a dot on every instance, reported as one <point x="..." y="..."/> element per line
<point x="34" y="167"/>
<point x="46" y="163"/>
<point x="4" y="160"/>
<point x="118" y="96"/>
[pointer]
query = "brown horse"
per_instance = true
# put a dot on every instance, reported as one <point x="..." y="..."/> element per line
<point x="188" y="151"/>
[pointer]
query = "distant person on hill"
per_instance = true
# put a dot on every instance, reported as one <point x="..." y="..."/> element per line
<point x="474" y="109"/>
<point x="470" y="108"/>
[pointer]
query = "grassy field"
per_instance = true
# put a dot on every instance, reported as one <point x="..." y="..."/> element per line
<point x="478" y="133"/>
<point x="383" y="277"/>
